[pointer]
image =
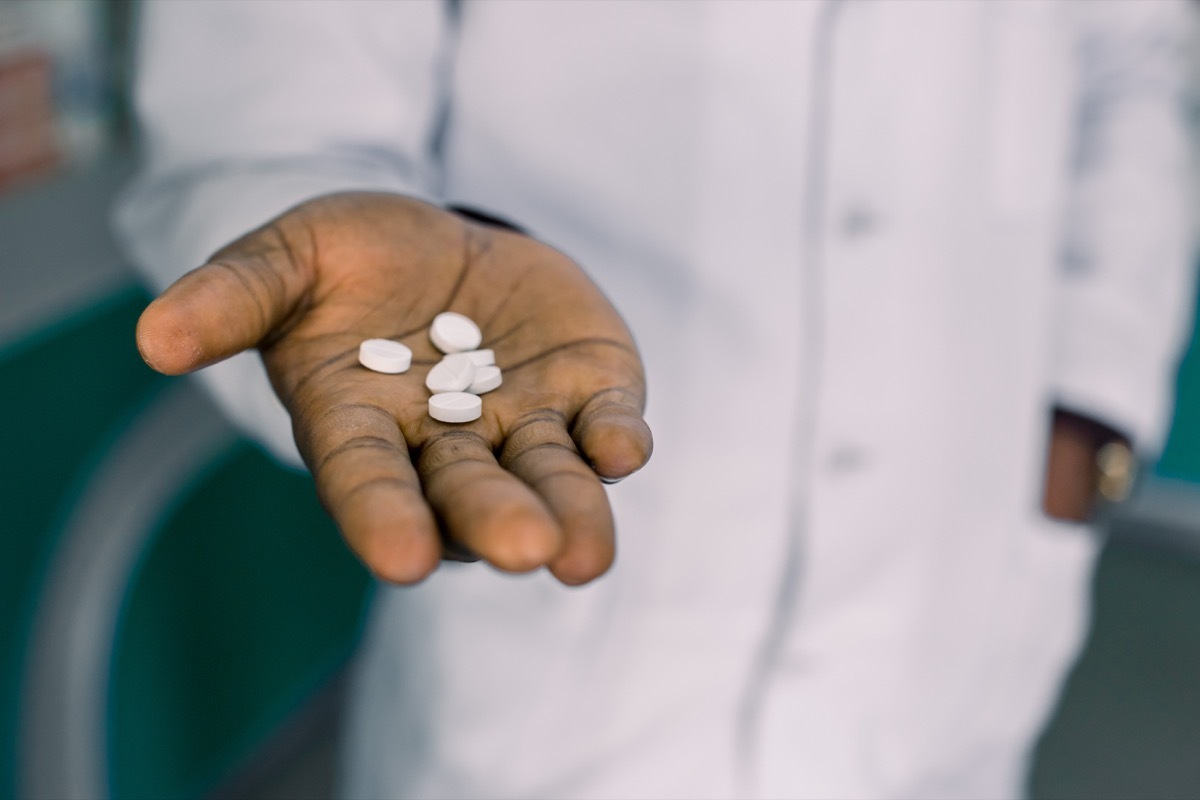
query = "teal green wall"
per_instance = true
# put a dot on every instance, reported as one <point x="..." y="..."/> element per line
<point x="1181" y="457"/>
<point x="63" y="390"/>
<point x="244" y="604"/>
<point x="1128" y="724"/>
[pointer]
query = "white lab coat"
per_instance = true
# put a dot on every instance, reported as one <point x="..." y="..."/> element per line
<point x="864" y="248"/>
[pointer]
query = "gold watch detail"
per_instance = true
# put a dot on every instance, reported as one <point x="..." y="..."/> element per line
<point x="1117" y="466"/>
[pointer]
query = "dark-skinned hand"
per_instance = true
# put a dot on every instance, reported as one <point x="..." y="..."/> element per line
<point x="520" y="487"/>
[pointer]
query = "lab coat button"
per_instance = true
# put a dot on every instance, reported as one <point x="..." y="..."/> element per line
<point x="858" y="222"/>
<point x="844" y="459"/>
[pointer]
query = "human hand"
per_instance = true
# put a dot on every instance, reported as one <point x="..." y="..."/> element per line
<point x="1073" y="479"/>
<point x="521" y="486"/>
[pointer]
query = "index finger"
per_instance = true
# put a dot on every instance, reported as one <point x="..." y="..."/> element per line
<point x="366" y="481"/>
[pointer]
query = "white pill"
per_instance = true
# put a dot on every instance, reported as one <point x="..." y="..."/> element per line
<point x="455" y="407"/>
<point x="453" y="373"/>
<point x="486" y="379"/>
<point x="481" y="358"/>
<point x="454" y="333"/>
<point x="384" y="355"/>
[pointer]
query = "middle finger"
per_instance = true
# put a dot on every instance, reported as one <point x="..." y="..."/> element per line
<point x="483" y="507"/>
<point x="540" y="451"/>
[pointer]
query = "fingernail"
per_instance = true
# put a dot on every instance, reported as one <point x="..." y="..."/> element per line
<point x="456" y="552"/>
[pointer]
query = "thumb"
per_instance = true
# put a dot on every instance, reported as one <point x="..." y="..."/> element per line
<point x="246" y="294"/>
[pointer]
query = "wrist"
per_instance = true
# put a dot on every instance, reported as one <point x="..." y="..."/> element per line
<point x="1088" y="463"/>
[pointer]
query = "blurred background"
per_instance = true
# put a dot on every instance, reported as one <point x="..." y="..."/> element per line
<point x="144" y="649"/>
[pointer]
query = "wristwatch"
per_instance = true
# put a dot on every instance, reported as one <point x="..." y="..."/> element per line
<point x="1101" y="459"/>
<point x="1116" y="468"/>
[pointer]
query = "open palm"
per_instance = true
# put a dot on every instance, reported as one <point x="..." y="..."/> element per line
<point x="521" y="486"/>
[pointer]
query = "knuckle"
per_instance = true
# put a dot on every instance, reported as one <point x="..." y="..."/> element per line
<point x="451" y="447"/>
<point x="355" y="443"/>
<point x="583" y="477"/>
<point x="536" y="431"/>
<point x="357" y="486"/>
<point x="609" y="405"/>
<point x="515" y="454"/>
<point x="321" y="429"/>
<point x="535" y="421"/>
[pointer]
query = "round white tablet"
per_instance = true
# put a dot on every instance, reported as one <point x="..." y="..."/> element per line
<point x="486" y="379"/>
<point x="454" y="333"/>
<point x="481" y="358"/>
<point x="453" y="373"/>
<point x="455" y="407"/>
<point x="384" y="355"/>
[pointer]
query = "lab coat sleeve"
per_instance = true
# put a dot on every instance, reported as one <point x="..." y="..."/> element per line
<point x="248" y="108"/>
<point x="1124" y="292"/>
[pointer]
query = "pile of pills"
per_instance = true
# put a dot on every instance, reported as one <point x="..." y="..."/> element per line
<point x="457" y="380"/>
